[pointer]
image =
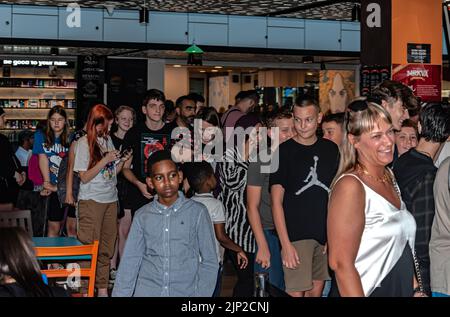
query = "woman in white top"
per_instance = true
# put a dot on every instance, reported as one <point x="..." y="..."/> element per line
<point x="370" y="232"/>
<point x="98" y="162"/>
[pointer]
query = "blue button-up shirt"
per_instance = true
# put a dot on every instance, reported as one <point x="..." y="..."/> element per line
<point x="170" y="251"/>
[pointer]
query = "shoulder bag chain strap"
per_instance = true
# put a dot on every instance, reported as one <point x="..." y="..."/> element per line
<point x="416" y="262"/>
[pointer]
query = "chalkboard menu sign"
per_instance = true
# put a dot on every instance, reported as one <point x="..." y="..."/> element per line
<point x="91" y="80"/>
<point x="371" y="76"/>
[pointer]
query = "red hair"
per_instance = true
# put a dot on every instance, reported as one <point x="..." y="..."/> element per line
<point x="99" y="115"/>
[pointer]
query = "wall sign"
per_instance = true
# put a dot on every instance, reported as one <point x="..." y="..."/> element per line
<point x="91" y="80"/>
<point x="424" y="80"/>
<point x="419" y="53"/>
<point x="36" y="63"/>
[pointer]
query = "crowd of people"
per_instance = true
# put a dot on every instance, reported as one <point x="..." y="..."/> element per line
<point x="354" y="203"/>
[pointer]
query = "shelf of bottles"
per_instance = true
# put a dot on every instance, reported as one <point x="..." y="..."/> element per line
<point x="28" y="93"/>
<point x="37" y="103"/>
<point x="38" y="83"/>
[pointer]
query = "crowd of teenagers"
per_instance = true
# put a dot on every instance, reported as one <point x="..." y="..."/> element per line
<point x="337" y="204"/>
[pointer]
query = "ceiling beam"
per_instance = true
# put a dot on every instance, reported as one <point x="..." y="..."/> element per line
<point x="309" y="6"/>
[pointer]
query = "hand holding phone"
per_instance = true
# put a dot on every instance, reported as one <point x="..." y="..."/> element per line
<point x="125" y="153"/>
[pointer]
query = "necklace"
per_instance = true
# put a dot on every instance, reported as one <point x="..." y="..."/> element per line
<point x="384" y="179"/>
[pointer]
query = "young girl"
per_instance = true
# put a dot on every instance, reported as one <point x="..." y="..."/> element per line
<point x="98" y="162"/>
<point x="51" y="146"/>
<point x="125" y="117"/>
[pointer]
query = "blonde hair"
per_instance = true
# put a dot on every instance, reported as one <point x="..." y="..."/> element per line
<point x="356" y="123"/>
<point x="123" y="108"/>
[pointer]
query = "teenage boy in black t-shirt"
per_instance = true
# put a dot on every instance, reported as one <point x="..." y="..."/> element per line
<point x="145" y="139"/>
<point x="299" y="192"/>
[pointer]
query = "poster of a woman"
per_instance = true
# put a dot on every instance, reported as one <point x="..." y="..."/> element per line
<point x="336" y="90"/>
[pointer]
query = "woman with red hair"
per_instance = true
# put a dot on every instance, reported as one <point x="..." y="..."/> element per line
<point x="98" y="163"/>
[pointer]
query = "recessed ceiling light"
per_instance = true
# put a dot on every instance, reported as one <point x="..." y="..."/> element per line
<point x="309" y="74"/>
<point x="176" y="65"/>
<point x="203" y="71"/>
<point x="214" y="71"/>
<point x="218" y="67"/>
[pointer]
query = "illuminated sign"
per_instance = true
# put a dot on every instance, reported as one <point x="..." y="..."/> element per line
<point x="35" y="63"/>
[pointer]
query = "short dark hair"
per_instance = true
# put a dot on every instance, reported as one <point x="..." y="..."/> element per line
<point x="180" y="100"/>
<point x="197" y="173"/>
<point x="434" y="119"/>
<point x="153" y="94"/>
<point x="390" y="90"/>
<point x="196" y="97"/>
<point x="156" y="157"/>
<point x="246" y="94"/>
<point x="303" y="102"/>
<point x="169" y="106"/>
<point x="408" y="123"/>
<point x="335" y="117"/>
<point x="280" y="114"/>
<point x="25" y="135"/>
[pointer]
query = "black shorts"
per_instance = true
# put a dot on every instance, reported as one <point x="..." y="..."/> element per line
<point x="55" y="212"/>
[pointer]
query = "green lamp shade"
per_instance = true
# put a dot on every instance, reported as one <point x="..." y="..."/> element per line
<point x="194" y="49"/>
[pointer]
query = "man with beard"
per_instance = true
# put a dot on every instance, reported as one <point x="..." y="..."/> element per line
<point x="185" y="107"/>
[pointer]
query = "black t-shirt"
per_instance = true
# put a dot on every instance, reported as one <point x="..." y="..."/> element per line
<point x="306" y="173"/>
<point x="116" y="141"/>
<point x="144" y="142"/>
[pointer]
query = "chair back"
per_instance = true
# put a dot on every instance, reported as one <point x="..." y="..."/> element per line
<point x="6" y="207"/>
<point x="16" y="218"/>
<point x="72" y="252"/>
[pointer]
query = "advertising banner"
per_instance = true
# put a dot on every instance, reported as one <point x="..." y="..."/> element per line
<point x="424" y="80"/>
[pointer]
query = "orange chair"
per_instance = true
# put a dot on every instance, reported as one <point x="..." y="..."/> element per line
<point x="71" y="253"/>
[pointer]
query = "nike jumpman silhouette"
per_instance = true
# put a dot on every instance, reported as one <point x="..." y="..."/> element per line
<point x="312" y="179"/>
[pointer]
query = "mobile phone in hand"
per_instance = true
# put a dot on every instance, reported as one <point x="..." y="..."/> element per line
<point x="125" y="152"/>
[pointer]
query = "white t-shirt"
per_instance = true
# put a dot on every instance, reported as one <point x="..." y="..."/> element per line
<point x="23" y="155"/>
<point x="445" y="152"/>
<point x="217" y="214"/>
<point x="102" y="188"/>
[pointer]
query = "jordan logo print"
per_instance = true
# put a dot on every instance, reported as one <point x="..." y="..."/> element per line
<point x="312" y="179"/>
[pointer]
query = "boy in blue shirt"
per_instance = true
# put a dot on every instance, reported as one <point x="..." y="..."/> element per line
<point x="170" y="249"/>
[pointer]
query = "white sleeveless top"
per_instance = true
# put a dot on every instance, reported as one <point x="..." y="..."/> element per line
<point x="386" y="232"/>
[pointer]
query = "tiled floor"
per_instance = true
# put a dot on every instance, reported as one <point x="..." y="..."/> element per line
<point x="228" y="280"/>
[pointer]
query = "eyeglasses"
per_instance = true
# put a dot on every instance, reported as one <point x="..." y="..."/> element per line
<point x="358" y="105"/>
<point x="355" y="106"/>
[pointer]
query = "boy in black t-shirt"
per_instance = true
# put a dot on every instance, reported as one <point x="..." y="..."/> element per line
<point x="145" y="139"/>
<point x="299" y="192"/>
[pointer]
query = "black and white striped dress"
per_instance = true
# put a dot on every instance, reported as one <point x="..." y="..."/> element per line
<point x="233" y="182"/>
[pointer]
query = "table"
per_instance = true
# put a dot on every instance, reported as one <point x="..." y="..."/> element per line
<point x="47" y="242"/>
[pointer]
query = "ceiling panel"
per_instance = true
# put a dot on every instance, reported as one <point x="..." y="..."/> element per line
<point x="340" y="11"/>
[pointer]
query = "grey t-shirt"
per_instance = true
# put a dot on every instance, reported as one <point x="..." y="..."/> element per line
<point x="256" y="178"/>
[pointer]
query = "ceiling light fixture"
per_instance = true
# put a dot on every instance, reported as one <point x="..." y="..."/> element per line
<point x="218" y="67"/>
<point x="214" y="71"/>
<point x="356" y="12"/>
<point x="144" y="15"/>
<point x="177" y="65"/>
